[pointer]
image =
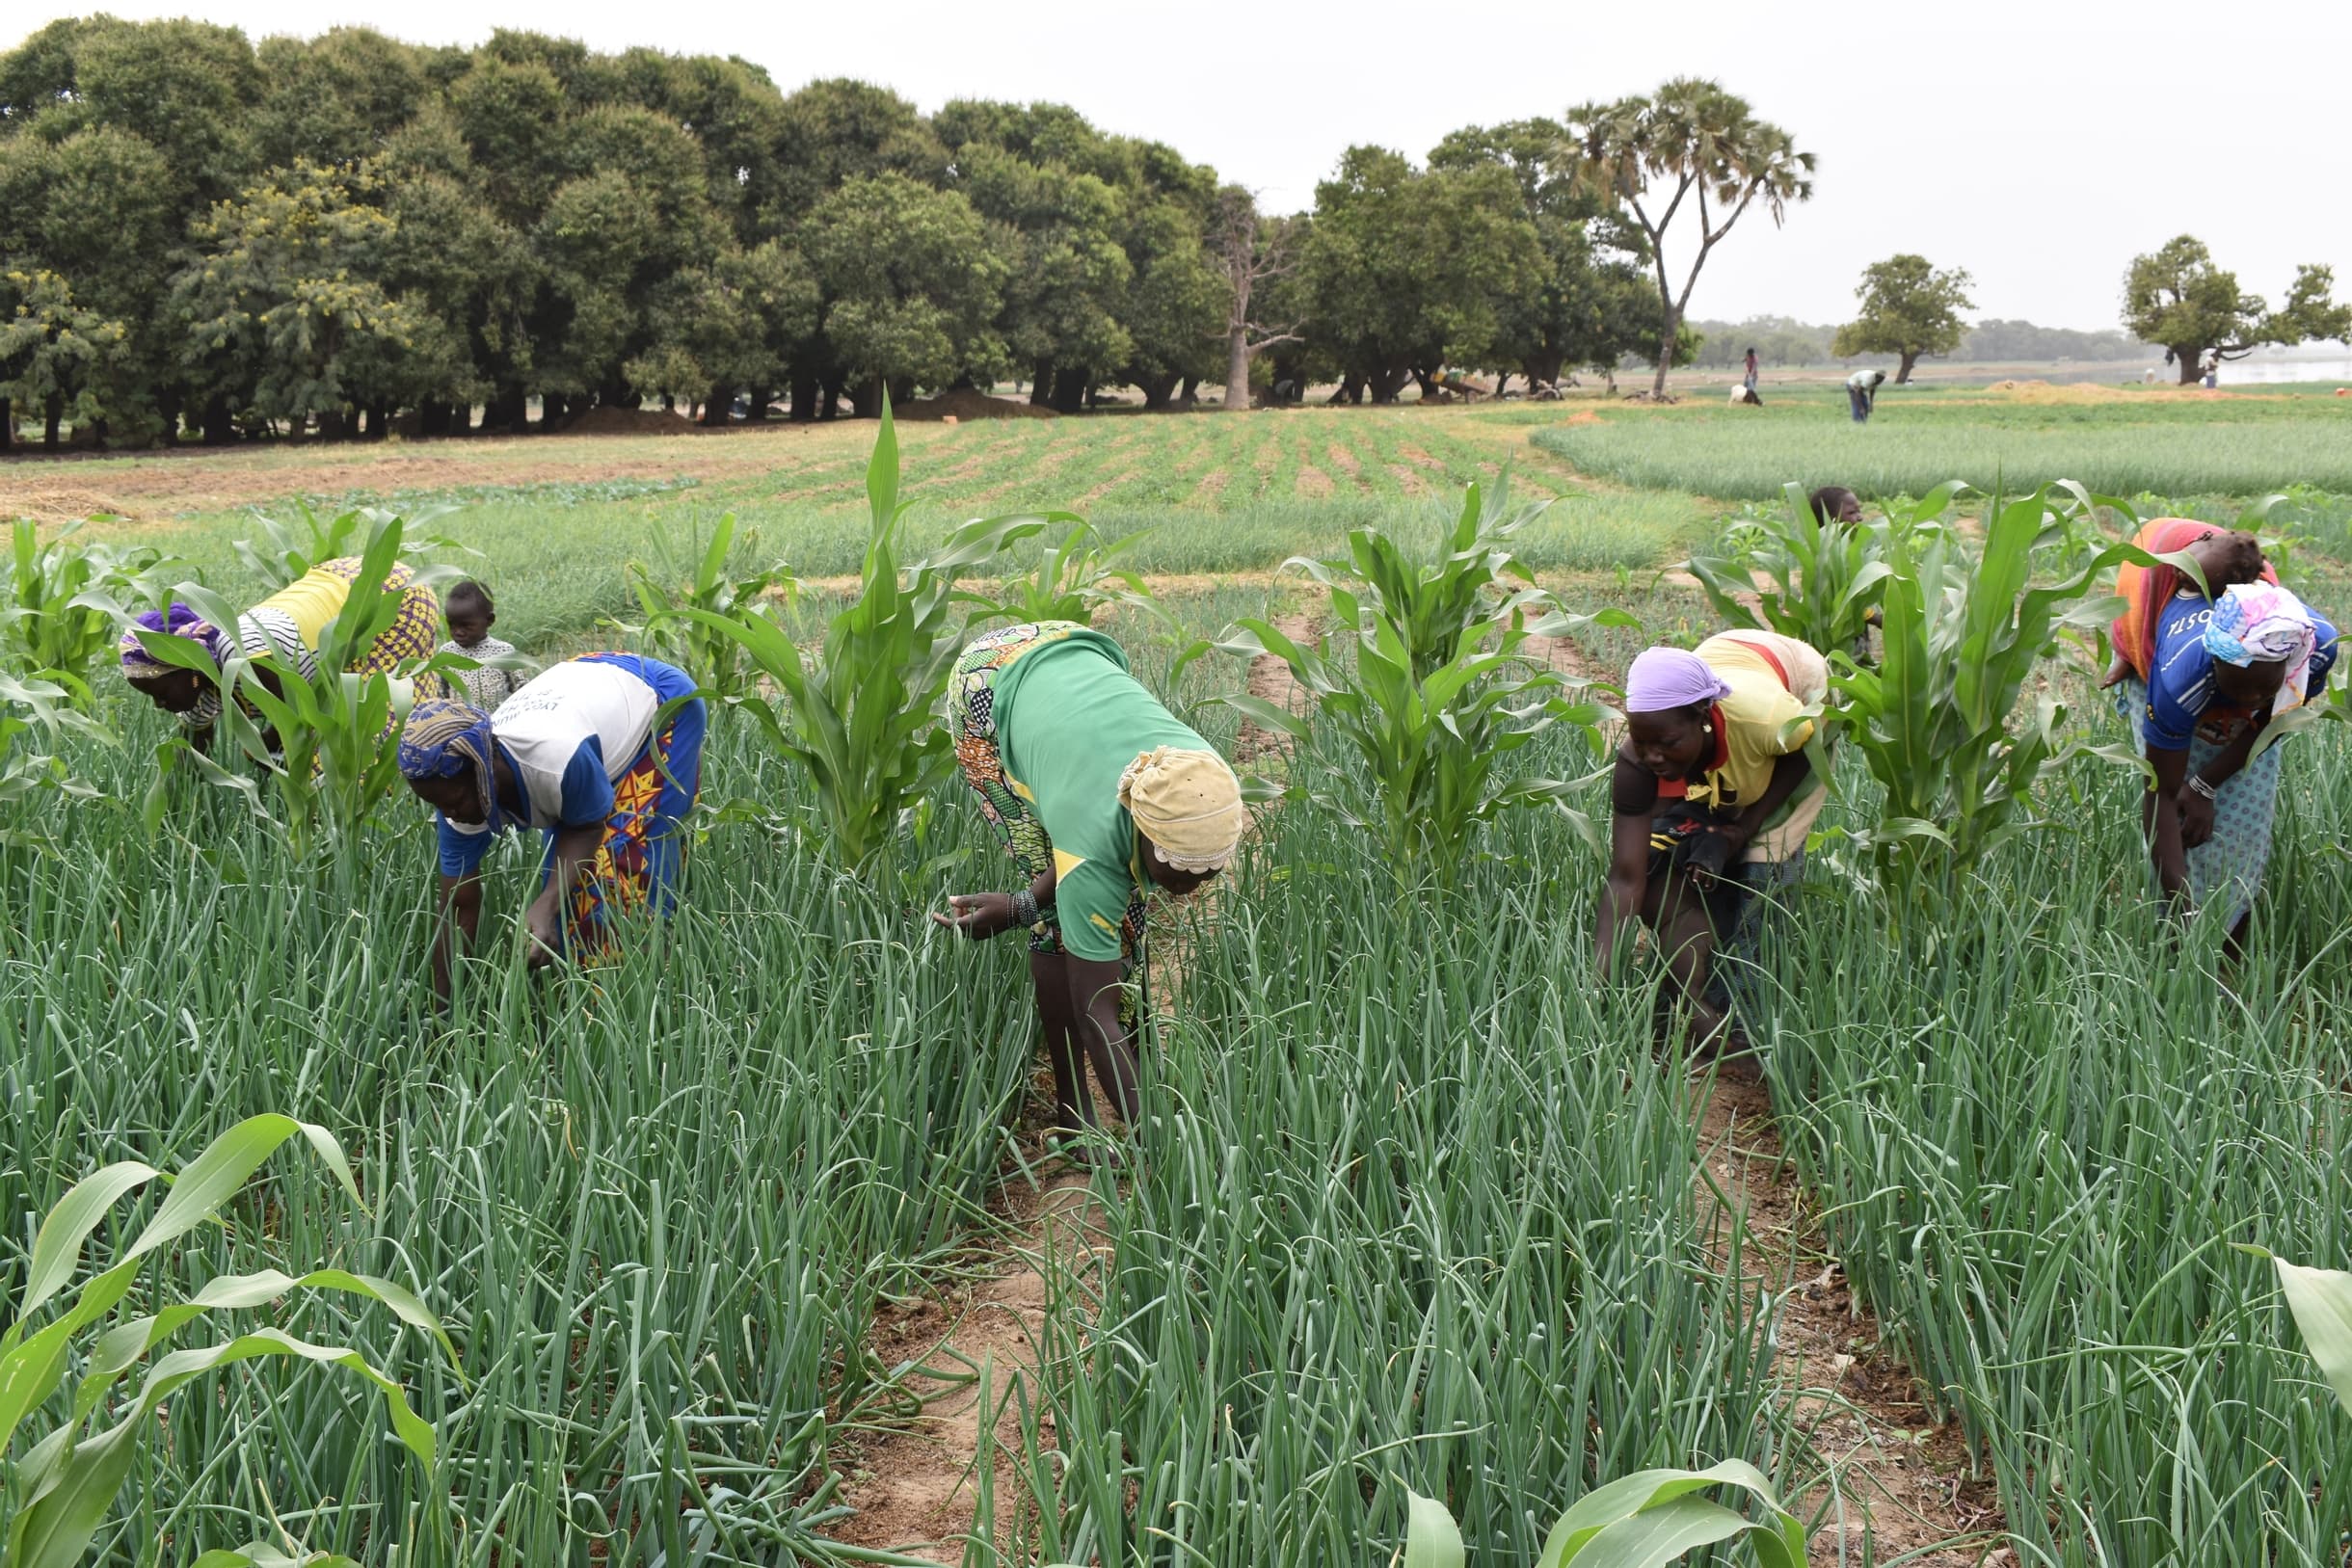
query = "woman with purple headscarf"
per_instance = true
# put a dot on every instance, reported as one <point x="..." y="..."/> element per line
<point x="1711" y="797"/>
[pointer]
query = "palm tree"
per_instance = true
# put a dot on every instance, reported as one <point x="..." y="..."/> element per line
<point x="1690" y="140"/>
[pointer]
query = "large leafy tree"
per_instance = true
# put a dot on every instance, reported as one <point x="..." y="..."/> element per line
<point x="2176" y="296"/>
<point x="1910" y="308"/>
<point x="910" y="286"/>
<point x="1591" y="305"/>
<point x="55" y="351"/>
<point x="1409" y="270"/>
<point x="1692" y="146"/>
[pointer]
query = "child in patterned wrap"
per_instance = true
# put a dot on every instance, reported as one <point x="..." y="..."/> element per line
<point x="470" y="616"/>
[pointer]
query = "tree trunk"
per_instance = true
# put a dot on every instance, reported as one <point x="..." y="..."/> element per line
<point x="1385" y="382"/>
<point x="2191" y="357"/>
<point x="7" y="424"/>
<point x="1189" y="393"/>
<point x="52" y="414"/>
<point x="1429" y="386"/>
<point x="1351" y="388"/>
<point x="1236" y="367"/>
<point x="804" y="398"/>
<point x="1666" y="350"/>
<point x="1502" y="383"/>
<point x="763" y="398"/>
<point x="1041" y="386"/>
<point x="433" y="417"/>
<point x="330" y="424"/>
<point x="829" y="402"/>
<point x="718" y="408"/>
<point x="1541" y="368"/>
<point x="1070" y="390"/>
<point x="509" y="410"/>
<point x="901" y="391"/>
<point x="1158" y="390"/>
<point x="1911" y="357"/>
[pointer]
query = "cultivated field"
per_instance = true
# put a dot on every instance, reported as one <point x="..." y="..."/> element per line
<point x="750" y="1251"/>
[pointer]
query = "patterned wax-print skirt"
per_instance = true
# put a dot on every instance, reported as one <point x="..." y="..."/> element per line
<point x="636" y="868"/>
<point x="2226" y="870"/>
<point x="972" y="721"/>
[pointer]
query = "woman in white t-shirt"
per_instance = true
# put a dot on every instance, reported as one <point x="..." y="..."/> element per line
<point x="603" y="754"/>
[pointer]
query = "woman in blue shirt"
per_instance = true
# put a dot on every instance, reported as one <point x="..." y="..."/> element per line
<point x="603" y="754"/>
<point x="2219" y="671"/>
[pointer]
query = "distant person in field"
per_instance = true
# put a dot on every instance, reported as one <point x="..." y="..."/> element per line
<point x="1863" y="393"/>
<point x="1102" y="796"/>
<point x="1749" y="380"/>
<point x="2212" y="374"/>
<point x="2200" y="678"/>
<point x="470" y="616"/>
<point x="280" y="633"/>
<point x="1711" y="801"/>
<point x="593" y="753"/>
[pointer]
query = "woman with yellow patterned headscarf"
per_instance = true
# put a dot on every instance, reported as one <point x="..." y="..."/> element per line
<point x="1101" y="795"/>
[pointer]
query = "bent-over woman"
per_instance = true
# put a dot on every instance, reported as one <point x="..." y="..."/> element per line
<point x="1711" y="798"/>
<point x="282" y="632"/>
<point x="2216" y="671"/>
<point x="583" y="752"/>
<point x="1101" y="795"/>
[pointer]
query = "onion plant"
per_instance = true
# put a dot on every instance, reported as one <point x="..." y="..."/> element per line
<point x="62" y="1487"/>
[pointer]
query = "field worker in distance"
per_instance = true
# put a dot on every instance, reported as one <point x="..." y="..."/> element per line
<point x="471" y="615"/>
<point x="1748" y="379"/>
<point x="2217" y="672"/>
<point x="584" y="753"/>
<point x="283" y="631"/>
<point x="1711" y="799"/>
<point x="1863" y="393"/>
<point x="1101" y="795"/>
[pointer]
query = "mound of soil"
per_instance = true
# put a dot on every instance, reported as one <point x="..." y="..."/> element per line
<point x="964" y="403"/>
<point x="613" y="420"/>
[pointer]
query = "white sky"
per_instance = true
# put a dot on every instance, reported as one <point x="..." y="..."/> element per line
<point x="2039" y="144"/>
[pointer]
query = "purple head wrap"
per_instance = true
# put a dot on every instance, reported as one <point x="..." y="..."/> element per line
<point x="179" y="620"/>
<point x="1663" y="678"/>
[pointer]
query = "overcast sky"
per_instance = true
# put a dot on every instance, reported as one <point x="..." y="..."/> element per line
<point x="2039" y="144"/>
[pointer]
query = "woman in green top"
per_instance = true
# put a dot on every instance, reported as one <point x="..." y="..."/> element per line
<point x="1101" y="794"/>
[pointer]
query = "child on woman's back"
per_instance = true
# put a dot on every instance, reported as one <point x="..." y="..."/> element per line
<point x="470" y="616"/>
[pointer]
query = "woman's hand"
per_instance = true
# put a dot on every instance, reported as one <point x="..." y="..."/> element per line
<point x="2195" y="813"/>
<point x="541" y="924"/>
<point x="978" y="915"/>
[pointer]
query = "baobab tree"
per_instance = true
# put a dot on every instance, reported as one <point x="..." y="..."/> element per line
<point x="1251" y="252"/>
<point x="1689" y="141"/>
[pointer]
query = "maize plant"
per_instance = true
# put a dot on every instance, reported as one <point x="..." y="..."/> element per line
<point x="1436" y="691"/>
<point x="60" y="1488"/>
<point x="1940" y="720"/>
<point x="1074" y="577"/>
<point x="331" y="742"/>
<point x="1651" y="1517"/>
<point x="66" y="603"/>
<point x="862" y="715"/>
<point x="714" y="660"/>
<point x="1814" y="581"/>
<point x="283" y="551"/>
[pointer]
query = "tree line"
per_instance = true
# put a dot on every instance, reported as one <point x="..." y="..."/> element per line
<point x="202" y="237"/>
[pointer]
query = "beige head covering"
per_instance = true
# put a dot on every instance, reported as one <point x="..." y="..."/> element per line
<point x="1188" y="804"/>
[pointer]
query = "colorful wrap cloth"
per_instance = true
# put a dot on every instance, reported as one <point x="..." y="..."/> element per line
<point x="972" y="724"/>
<point x="2147" y="590"/>
<point x="2227" y="869"/>
<point x="2262" y="622"/>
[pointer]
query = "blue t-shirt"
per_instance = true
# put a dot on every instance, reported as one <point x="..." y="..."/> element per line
<point x="2180" y="672"/>
<point x="576" y="789"/>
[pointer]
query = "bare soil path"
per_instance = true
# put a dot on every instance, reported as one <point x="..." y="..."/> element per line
<point x="1901" y="1482"/>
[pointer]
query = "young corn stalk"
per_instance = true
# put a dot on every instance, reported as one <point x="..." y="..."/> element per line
<point x="862" y="715"/>
<point x="66" y="600"/>
<point x="714" y="660"/>
<point x="1940" y="720"/>
<point x="1638" y="1521"/>
<point x="1821" y="581"/>
<point x="62" y="1487"/>
<point x="1432" y="691"/>
<point x="283" y="551"/>
<point x="1076" y="576"/>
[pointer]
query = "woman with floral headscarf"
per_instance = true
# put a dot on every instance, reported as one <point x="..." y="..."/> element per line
<point x="1711" y="797"/>
<point x="603" y="754"/>
<point x="1101" y="795"/>
<point x="282" y="633"/>
<point x="2217" y="672"/>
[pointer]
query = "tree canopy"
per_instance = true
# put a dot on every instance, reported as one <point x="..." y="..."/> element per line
<point x="1908" y="308"/>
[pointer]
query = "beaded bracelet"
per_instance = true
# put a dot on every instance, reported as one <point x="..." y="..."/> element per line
<point x="1025" y="909"/>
